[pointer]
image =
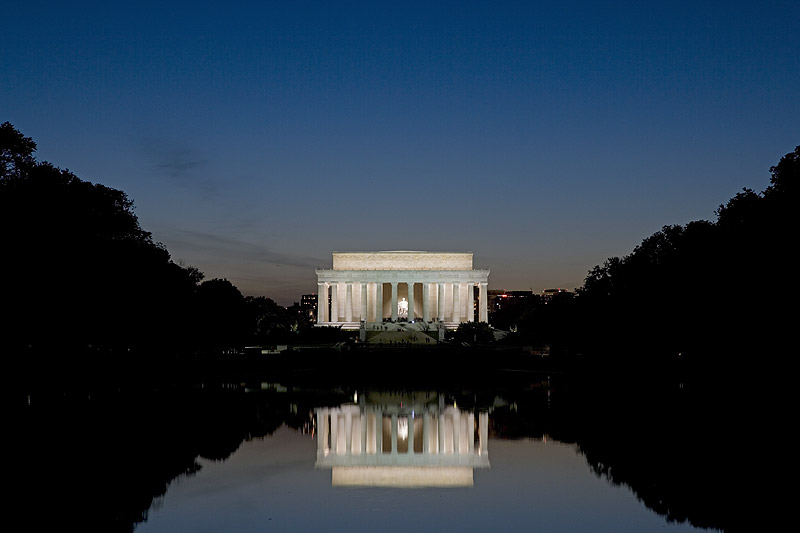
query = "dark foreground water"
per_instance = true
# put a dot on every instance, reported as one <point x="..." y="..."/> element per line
<point x="271" y="484"/>
<point x="538" y="453"/>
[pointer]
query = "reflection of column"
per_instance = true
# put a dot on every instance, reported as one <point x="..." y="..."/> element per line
<point x="348" y="302"/>
<point x="456" y="430"/>
<point x="334" y="431"/>
<point x="371" y="446"/>
<point x="426" y="302"/>
<point x="394" y="301"/>
<point x="348" y="433"/>
<point x="483" y="433"/>
<point x="378" y="431"/>
<point x="483" y="314"/>
<point x="470" y="302"/>
<point x="456" y="302"/>
<point x="410" y="301"/>
<point x="363" y="311"/>
<point x="322" y="430"/>
<point x="394" y="433"/>
<point x="335" y="301"/>
<point x="342" y="434"/>
<point x="363" y="419"/>
<point x="379" y="302"/>
<point x="426" y="432"/>
<point x="411" y="433"/>
<point x="441" y="418"/>
<point x="322" y="302"/>
<point x="471" y="433"/>
<point x="441" y="302"/>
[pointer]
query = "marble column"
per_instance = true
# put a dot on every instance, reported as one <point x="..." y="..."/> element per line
<point x="410" y="301"/>
<point x="483" y="314"/>
<point x="456" y="302"/>
<point x="379" y="302"/>
<point x="426" y="302"/>
<point x="334" y="301"/>
<point x="322" y="302"/>
<point x="470" y="307"/>
<point x="363" y="311"/>
<point x="348" y="301"/>
<point x="394" y="301"/>
<point x="441" y="302"/>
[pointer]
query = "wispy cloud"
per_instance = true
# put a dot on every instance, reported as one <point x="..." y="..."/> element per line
<point x="179" y="164"/>
<point x="204" y="243"/>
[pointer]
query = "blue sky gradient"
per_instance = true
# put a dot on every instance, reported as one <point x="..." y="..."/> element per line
<point x="545" y="137"/>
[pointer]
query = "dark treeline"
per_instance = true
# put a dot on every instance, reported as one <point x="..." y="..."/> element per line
<point x="81" y="276"/>
<point x="706" y="294"/>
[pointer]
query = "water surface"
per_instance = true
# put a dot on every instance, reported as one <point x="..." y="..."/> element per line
<point x="236" y="457"/>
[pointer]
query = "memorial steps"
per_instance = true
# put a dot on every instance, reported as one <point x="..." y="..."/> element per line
<point x="401" y="337"/>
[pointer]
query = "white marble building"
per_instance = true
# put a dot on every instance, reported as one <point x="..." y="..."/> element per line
<point x="373" y="287"/>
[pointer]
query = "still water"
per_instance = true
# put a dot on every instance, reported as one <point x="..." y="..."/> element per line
<point x="288" y="480"/>
<point x="271" y="483"/>
<point x="269" y="456"/>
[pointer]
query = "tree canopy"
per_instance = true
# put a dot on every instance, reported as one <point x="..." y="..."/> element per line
<point x="80" y="274"/>
<point x="706" y="290"/>
<point x="79" y="270"/>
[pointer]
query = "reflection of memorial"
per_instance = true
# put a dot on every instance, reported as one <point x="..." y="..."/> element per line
<point x="408" y="442"/>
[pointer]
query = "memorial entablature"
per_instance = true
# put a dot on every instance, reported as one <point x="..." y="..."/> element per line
<point x="376" y="287"/>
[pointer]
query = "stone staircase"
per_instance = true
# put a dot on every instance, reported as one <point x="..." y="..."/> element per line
<point x="402" y="337"/>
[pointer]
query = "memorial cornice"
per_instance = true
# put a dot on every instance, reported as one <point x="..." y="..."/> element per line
<point x="403" y="276"/>
<point x="402" y="260"/>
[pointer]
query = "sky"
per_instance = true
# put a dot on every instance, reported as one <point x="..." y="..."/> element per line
<point x="255" y="138"/>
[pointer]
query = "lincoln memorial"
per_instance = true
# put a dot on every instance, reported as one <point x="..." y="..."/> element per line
<point x="375" y="287"/>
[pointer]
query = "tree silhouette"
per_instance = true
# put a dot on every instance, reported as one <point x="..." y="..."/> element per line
<point x="222" y="316"/>
<point x="709" y="291"/>
<point x="80" y="273"/>
<point x="473" y="333"/>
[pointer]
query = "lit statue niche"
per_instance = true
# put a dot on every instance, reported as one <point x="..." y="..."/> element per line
<point x="402" y="308"/>
<point x="408" y="441"/>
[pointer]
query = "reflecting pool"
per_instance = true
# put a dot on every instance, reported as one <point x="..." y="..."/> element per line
<point x="272" y="482"/>
<point x="396" y="462"/>
<point x="268" y="456"/>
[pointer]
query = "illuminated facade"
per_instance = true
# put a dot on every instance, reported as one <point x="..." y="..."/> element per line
<point x="373" y="287"/>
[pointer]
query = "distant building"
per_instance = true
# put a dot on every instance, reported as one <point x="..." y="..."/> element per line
<point x="549" y="294"/>
<point x="500" y="299"/>
<point x="308" y="306"/>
